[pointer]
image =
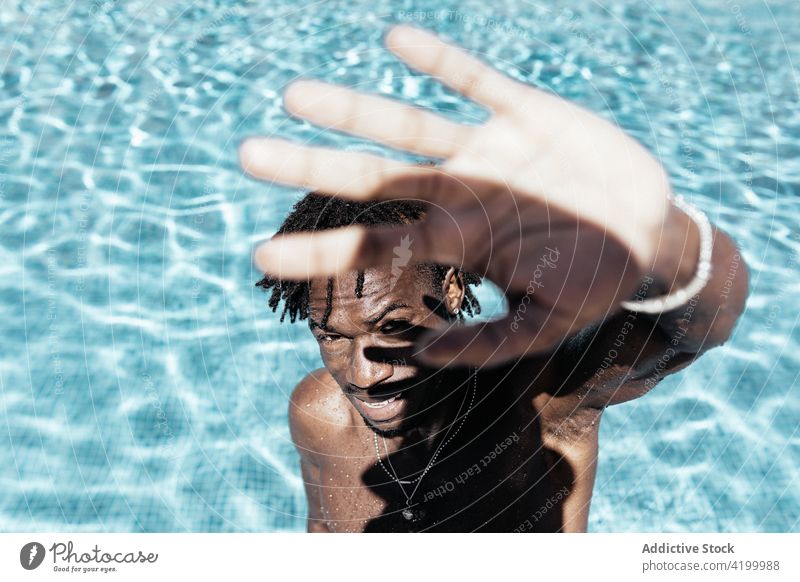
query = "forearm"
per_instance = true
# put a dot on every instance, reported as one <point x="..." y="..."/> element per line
<point x="708" y="318"/>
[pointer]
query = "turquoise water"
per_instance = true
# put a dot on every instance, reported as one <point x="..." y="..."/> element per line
<point x="144" y="385"/>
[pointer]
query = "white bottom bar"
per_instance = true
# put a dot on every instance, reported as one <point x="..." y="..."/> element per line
<point x="390" y="558"/>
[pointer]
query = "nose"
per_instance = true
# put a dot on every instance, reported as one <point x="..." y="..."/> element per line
<point x="364" y="373"/>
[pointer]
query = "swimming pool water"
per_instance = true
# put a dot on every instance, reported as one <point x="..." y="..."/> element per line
<point x="144" y="384"/>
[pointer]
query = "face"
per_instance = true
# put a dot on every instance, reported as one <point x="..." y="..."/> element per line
<point x="367" y="342"/>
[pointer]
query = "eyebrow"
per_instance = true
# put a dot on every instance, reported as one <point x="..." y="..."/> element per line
<point x="386" y="310"/>
<point x="313" y="323"/>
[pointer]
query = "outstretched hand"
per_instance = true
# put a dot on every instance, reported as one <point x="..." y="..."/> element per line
<point x="558" y="207"/>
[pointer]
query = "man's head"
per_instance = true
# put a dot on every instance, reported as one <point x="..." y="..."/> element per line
<point x="366" y="321"/>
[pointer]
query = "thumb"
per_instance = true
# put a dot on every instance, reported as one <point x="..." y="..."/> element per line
<point x="527" y="329"/>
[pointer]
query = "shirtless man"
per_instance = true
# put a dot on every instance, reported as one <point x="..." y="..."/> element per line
<point x="419" y="422"/>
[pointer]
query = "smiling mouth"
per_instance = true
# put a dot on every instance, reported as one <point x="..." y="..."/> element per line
<point x="381" y="403"/>
<point x="378" y="409"/>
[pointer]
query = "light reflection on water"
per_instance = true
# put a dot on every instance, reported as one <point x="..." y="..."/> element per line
<point x="144" y="385"/>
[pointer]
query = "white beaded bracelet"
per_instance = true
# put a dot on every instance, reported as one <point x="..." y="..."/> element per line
<point x="682" y="296"/>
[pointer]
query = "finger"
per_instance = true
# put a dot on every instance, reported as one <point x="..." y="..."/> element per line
<point x="391" y="122"/>
<point x="331" y="252"/>
<point x="453" y="66"/>
<point x="349" y="174"/>
<point x="536" y="330"/>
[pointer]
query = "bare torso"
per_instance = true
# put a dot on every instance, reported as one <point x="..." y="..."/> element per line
<point x="524" y="460"/>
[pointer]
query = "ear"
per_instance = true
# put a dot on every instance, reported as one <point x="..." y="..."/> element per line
<point x="453" y="291"/>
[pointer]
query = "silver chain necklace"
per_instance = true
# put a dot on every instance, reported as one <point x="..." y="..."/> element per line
<point x="408" y="513"/>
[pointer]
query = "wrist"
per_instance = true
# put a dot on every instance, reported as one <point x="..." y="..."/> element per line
<point x="678" y="252"/>
<point x="669" y="266"/>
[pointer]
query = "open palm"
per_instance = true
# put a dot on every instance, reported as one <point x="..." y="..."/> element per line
<point x="557" y="206"/>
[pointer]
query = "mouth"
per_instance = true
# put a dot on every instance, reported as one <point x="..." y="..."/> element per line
<point x="380" y="409"/>
<point x="380" y="403"/>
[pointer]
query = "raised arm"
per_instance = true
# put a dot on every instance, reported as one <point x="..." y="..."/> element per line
<point x="626" y="355"/>
<point x="559" y="207"/>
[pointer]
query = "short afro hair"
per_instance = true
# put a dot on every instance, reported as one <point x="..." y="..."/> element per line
<point x="315" y="212"/>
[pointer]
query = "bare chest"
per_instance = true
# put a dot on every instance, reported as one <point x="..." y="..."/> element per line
<point x="509" y="475"/>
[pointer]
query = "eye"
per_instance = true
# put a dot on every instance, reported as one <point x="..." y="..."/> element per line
<point x="396" y="326"/>
<point x="329" y="338"/>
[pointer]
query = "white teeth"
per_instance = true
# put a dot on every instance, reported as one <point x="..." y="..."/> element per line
<point x="380" y="404"/>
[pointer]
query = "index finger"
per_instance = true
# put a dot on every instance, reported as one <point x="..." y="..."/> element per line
<point x="353" y="175"/>
<point x="453" y="66"/>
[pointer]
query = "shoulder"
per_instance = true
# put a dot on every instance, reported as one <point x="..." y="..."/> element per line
<point x="315" y="387"/>
<point x="317" y="410"/>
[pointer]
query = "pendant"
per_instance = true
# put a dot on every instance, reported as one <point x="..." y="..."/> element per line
<point x="412" y="514"/>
